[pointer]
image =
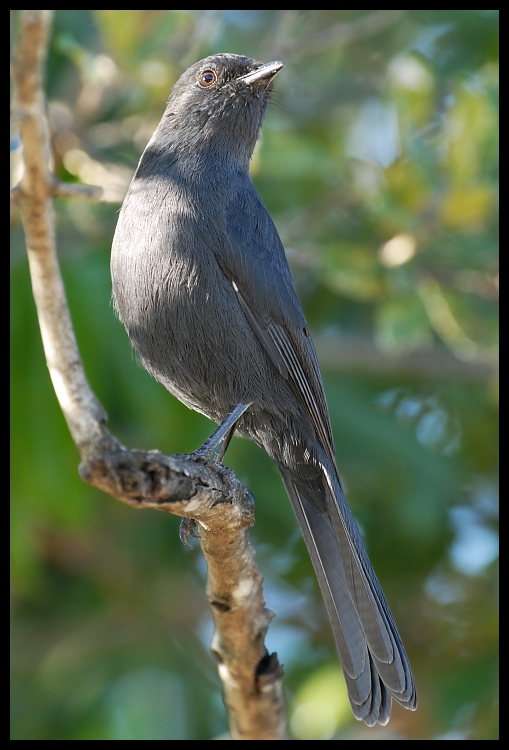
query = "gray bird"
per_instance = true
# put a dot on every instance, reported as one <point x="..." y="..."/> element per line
<point x="202" y="286"/>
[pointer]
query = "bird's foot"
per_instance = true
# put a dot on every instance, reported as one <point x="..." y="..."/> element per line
<point x="188" y="527"/>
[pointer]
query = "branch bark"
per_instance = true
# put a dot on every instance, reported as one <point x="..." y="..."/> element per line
<point x="182" y="485"/>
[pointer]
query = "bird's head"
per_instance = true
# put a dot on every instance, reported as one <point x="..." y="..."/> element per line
<point x="217" y="106"/>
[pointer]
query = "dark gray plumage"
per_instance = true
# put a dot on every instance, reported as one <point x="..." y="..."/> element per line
<point x="202" y="285"/>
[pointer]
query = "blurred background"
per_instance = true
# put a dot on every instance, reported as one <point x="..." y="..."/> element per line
<point x="378" y="162"/>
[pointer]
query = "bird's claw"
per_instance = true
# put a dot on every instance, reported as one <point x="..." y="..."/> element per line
<point x="187" y="528"/>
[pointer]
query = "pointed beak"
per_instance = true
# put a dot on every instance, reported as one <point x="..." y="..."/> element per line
<point x="265" y="73"/>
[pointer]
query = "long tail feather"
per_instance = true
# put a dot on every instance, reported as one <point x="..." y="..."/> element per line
<point x="374" y="661"/>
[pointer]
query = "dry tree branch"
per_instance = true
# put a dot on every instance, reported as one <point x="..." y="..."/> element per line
<point x="178" y="484"/>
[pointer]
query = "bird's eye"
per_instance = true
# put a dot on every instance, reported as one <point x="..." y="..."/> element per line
<point x="208" y="78"/>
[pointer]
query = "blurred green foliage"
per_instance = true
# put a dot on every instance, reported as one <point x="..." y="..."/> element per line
<point x="378" y="161"/>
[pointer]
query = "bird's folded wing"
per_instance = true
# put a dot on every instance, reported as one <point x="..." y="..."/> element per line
<point x="254" y="262"/>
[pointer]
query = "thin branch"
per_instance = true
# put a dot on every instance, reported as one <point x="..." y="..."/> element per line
<point x="351" y="31"/>
<point x="340" y="353"/>
<point x="353" y="353"/>
<point x="84" y="415"/>
<point x="75" y="190"/>
<point x="345" y="32"/>
<point x="179" y="484"/>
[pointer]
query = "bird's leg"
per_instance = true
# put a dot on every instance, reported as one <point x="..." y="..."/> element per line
<point x="216" y="446"/>
<point x="213" y="449"/>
